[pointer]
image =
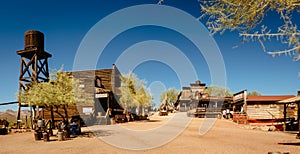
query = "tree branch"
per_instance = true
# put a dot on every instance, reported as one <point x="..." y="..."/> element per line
<point x="287" y="51"/>
<point x="56" y="111"/>
<point x="258" y="35"/>
<point x="160" y="2"/>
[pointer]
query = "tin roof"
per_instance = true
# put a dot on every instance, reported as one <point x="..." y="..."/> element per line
<point x="290" y="100"/>
<point x="269" y="98"/>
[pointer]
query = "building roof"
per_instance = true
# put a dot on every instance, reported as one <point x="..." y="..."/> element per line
<point x="186" y="88"/>
<point x="197" y="85"/>
<point x="290" y="100"/>
<point x="269" y="98"/>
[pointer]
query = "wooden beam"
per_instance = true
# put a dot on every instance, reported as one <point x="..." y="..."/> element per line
<point x="42" y="78"/>
<point x="40" y="67"/>
<point x="26" y="63"/>
<point x="284" y="116"/>
<point x="298" y="119"/>
<point x="8" y="103"/>
<point x="27" y="66"/>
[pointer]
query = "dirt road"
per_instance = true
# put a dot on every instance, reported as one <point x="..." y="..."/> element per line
<point x="224" y="137"/>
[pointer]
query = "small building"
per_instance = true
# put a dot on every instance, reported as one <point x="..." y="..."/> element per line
<point x="260" y="109"/>
<point x="103" y="87"/>
<point x="199" y="104"/>
<point x="190" y="95"/>
<point x="210" y="106"/>
<point x="294" y="102"/>
<point x="266" y="107"/>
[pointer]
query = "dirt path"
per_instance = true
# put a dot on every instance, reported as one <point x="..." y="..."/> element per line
<point x="224" y="137"/>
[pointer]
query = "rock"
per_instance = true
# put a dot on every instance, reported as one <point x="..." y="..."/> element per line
<point x="272" y="128"/>
<point x="265" y="128"/>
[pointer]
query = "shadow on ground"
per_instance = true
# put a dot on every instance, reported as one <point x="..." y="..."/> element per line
<point x="149" y="121"/>
<point x="99" y="133"/>
<point x="290" y="143"/>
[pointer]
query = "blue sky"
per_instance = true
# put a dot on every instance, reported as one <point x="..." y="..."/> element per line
<point x="65" y="23"/>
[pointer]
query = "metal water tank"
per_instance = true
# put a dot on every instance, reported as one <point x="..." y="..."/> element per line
<point x="34" y="40"/>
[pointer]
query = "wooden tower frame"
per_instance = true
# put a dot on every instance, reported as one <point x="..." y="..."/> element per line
<point x="34" y="63"/>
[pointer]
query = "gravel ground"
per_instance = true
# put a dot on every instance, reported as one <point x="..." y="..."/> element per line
<point x="224" y="137"/>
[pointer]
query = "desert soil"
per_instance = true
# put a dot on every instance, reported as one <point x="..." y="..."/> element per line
<point x="224" y="137"/>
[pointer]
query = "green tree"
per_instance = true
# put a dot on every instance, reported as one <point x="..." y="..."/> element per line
<point x="61" y="90"/>
<point x="133" y="92"/>
<point x="245" y="15"/>
<point x="169" y="95"/>
<point x="254" y="93"/>
<point x="217" y="91"/>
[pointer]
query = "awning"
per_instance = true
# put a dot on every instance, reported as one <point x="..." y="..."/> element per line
<point x="290" y="100"/>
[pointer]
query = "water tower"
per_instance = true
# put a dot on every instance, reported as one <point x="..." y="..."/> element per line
<point x="34" y="63"/>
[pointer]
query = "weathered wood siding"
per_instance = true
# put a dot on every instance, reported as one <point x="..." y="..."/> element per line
<point x="87" y="79"/>
<point x="290" y="111"/>
<point x="265" y="111"/>
<point x="72" y="111"/>
<point x="111" y="79"/>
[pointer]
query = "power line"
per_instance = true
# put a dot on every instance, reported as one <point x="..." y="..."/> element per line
<point x="8" y="103"/>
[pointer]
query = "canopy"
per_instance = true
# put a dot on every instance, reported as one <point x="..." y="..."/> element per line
<point x="290" y="100"/>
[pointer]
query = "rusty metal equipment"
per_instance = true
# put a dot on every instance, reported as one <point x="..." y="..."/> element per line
<point x="34" y="63"/>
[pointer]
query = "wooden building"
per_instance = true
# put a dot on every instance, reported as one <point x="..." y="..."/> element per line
<point x="210" y="106"/>
<point x="190" y="95"/>
<point x="293" y="102"/>
<point x="102" y="86"/>
<point x="199" y="104"/>
<point x="266" y="107"/>
<point x="261" y="109"/>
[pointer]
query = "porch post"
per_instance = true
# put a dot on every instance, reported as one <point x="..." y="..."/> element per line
<point x="298" y="119"/>
<point x="284" y="116"/>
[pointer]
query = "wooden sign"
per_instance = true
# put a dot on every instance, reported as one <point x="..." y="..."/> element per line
<point x="87" y="110"/>
<point x="240" y="96"/>
<point x="101" y="95"/>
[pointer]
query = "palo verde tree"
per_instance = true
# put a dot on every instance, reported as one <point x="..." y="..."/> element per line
<point x="246" y="15"/>
<point x="254" y="93"/>
<point x="170" y="95"/>
<point x="61" y="91"/>
<point x="217" y="91"/>
<point x="134" y="94"/>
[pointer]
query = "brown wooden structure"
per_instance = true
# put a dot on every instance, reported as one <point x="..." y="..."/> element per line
<point x="165" y="108"/>
<point x="103" y="86"/>
<point x="291" y="102"/>
<point x="33" y="64"/>
<point x="209" y="106"/>
<point x="190" y="94"/>
<point x="264" y="110"/>
<point x="266" y="107"/>
<point x="197" y="103"/>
